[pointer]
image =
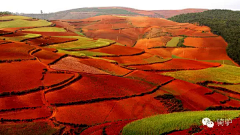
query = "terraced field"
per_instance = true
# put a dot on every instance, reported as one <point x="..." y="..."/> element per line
<point x="112" y="75"/>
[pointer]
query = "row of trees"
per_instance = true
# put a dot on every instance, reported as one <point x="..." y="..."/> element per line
<point x="225" y="23"/>
<point x="5" y="13"/>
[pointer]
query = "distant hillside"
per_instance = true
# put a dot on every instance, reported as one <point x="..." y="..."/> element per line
<point x="222" y="22"/>
<point x="82" y="13"/>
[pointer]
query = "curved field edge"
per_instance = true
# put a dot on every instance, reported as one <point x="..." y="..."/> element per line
<point x="224" y="73"/>
<point x="166" y="123"/>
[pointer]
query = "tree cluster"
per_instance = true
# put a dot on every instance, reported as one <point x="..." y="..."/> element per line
<point x="225" y="23"/>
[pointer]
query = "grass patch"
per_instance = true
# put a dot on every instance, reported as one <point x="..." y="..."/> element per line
<point x="84" y="53"/>
<point x="47" y="29"/>
<point x="227" y="62"/>
<point x="225" y="73"/>
<point x="38" y="128"/>
<point x="81" y="43"/>
<point x="235" y="88"/>
<point x="156" y="59"/>
<point x="20" y="22"/>
<point x="173" y="42"/>
<point x="177" y="57"/>
<point x="14" y="17"/>
<point x="165" y="123"/>
<point x="20" y="38"/>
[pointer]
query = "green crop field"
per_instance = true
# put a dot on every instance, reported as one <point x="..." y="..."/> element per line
<point x="19" y="38"/>
<point x="81" y="43"/>
<point x="20" y="22"/>
<point x="227" y="62"/>
<point x="14" y="17"/>
<point x="165" y="123"/>
<point x="235" y="88"/>
<point x="83" y="53"/>
<point x="47" y="29"/>
<point x="173" y="42"/>
<point x="156" y="59"/>
<point x="225" y="73"/>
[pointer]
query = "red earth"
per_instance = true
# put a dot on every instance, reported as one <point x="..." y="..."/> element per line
<point x="137" y="107"/>
<point x="17" y="77"/>
<point x="103" y="94"/>
<point x="44" y="41"/>
<point x="176" y="64"/>
<point x="92" y="87"/>
<point x="20" y="51"/>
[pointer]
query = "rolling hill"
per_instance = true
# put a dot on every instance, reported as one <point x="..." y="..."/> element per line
<point x="113" y="74"/>
<point x="82" y="13"/>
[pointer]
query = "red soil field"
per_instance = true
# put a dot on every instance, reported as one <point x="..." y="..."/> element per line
<point x="53" y="33"/>
<point x="28" y="100"/>
<point x="89" y="114"/>
<point x="102" y="17"/>
<point x="232" y="103"/>
<point x="132" y="60"/>
<point x="27" y="114"/>
<point x="97" y="26"/>
<point x="13" y="51"/>
<point x="163" y="52"/>
<point x="108" y="67"/>
<point x="232" y="128"/>
<point x="113" y="35"/>
<point x="233" y="95"/>
<point x="44" y="41"/>
<point x="55" y="78"/>
<point x="18" y="76"/>
<point x="4" y="41"/>
<point x="149" y="77"/>
<point x="177" y="64"/>
<point x="95" y="128"/>
<point x="116" y="127"/>
<point x="131" y="108"/>
<point x="65" y="25"/>
<point x="51" y="49"/>
<point x="136" y="108"/>
<point x="99" y="132"/>
<point x="202" y="53"/>
<point x="146" y="21"/>
<point x="189" y="32"/>
<point x="217" y="97"/>
<point x="121" y="25"/>
<point x="47" y="57"/>
<point x="78" y="24"/>
<point x="206" y="42"/>
<point x="73" y="64"/>
<point x="199" y="28"/>
<point x="91" y="87"/>
<point x="119" y="50"/>
<point x="192" y="96"/>
<point x="153" y="42"/>
<point x="3" y="32"/>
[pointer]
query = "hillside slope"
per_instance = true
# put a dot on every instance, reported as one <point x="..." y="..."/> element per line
<point x="222" y="22"/>
<point x="82" y="13"/>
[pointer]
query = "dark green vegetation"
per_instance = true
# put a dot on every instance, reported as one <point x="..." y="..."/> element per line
<point x="5" y="13"/>
<point x="222" y="22"/>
